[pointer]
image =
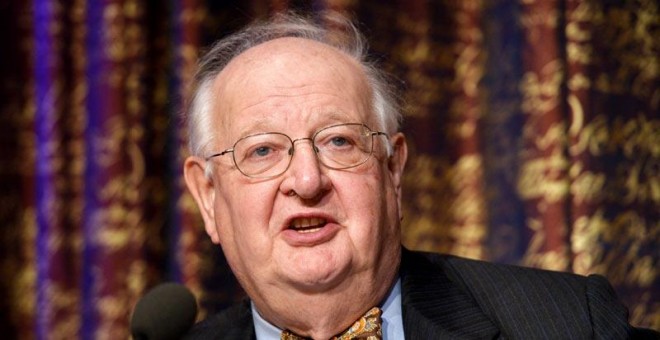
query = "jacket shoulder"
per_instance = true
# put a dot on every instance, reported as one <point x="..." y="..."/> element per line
<point x="548" y="304"/>
<point x="233" y="323"/>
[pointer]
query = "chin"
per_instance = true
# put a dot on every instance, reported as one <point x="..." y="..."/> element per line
<point x="320" y="278"/>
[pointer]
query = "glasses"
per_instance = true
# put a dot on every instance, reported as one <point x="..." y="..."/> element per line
<point x="269" y="154"/>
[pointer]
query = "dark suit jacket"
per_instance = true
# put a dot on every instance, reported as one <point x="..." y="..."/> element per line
<point x="447" y="297"/>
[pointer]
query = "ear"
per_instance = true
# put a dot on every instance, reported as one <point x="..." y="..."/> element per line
<point x="397" y="162"/>
<point x="202" y="190"/>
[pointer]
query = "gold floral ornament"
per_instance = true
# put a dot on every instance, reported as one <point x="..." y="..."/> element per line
<point x="367" y="327"/>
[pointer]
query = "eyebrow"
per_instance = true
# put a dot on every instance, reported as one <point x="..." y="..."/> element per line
<point x="335" y="116"/>
<point x="328" y="118"/>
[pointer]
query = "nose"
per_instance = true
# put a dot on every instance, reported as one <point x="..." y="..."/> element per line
<point x="304" y="176"/>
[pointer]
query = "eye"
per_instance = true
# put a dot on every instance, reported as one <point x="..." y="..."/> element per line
<point x="339" y="141"/>
<point x="262" y="151"/>
<point x="259" y="152"/>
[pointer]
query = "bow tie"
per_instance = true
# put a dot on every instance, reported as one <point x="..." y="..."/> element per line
<point x="367" y="327"/>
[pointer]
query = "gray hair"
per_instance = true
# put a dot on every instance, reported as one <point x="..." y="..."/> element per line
<point x="340" y="33"/>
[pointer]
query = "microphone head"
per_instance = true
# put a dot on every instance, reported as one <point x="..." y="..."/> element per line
<point x="165" y="313"/>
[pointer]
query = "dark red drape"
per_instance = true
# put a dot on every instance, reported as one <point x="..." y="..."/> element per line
<point x="534" y="129"/>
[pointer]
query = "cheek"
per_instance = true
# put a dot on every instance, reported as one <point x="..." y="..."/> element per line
<point x="368" y="201"/>
<point x="242" y="217"/>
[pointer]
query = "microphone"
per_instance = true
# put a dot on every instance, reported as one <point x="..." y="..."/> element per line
<point x="165" y="313"/>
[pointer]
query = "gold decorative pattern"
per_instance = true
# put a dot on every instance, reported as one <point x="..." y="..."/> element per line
<point x="367" y="327"/>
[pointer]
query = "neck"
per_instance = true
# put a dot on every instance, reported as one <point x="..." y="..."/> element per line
<point x="326" y="314"/>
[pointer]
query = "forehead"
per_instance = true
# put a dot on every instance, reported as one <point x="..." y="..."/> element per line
<point x="290" y="79"/>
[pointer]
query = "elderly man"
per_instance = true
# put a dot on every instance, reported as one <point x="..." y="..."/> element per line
<point x="296" y="168"/>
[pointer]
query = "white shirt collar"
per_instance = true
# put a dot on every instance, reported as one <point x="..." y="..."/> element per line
<point x="392" y="325"/>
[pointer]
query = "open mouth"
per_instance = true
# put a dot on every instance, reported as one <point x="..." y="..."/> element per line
<point x="307" y="225"/>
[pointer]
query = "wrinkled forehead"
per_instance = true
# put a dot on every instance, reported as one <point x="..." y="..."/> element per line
<point x="290" y="55"/>
<point x="288" y="67"/>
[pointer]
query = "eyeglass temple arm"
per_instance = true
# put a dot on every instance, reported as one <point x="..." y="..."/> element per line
<point x="219" y="154"/>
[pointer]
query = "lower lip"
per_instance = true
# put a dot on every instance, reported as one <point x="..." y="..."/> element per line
<point x="310" y="239"/>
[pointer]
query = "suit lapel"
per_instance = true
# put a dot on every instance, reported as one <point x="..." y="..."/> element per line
<point x="434" y="307"/>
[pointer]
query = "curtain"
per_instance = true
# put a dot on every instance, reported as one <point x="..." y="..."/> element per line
<point x="533" y="125"/>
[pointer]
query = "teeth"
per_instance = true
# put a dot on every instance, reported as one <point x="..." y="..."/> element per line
<point x="300" y="223"/>
<point x="305" y="231"/>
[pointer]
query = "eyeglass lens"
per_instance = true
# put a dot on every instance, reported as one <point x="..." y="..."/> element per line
<point x="337" y="147"/>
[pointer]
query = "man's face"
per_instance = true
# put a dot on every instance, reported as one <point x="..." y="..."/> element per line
<point x="351" y="237"/>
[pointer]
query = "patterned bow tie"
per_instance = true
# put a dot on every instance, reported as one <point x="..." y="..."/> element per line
<point x="367" y="327"/>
